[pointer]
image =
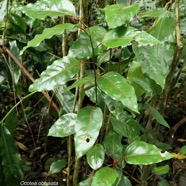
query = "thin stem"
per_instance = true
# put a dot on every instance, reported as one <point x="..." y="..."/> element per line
<point x="94" y="68"/>
<point x="16" y="106"/>
<point x="84" y="17"/>
<point x="24" y="70"/>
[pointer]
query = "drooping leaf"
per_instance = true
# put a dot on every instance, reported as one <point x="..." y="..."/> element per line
<point x="128" y="128"/>
<point x="96" y="156"/>
<point x="117" y="15"/>
<point x="158" y="117"/>
<point x="161" y="170"/>
<point x="47" y="34"/>
<point x="82" y="48"/>
<point x="88" y="124"/>
<point x="141" y="153"/>
<point x="112" y="143"/>
<point x="53" y="8"/>
<point x="64" y="126"/>
<point x="151" y="64"/>
<point x="56" y="74"/>
<point x="57" y="166"/>
<point x="65" y="98"/>
<point x="11" y="160"/>
<point x="165" y="22"/>
<point x="117" y="87"/>
<point x="105" y="177"/>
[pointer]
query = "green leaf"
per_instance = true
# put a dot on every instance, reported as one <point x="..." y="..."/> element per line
<point x="105" y="177"/>
<point x="86" y="182"/>
<point x="121" y="36"/>
<point x="125" y="182"/>
<point x="163" y="182"/>
<point x="57" y="166"/>
<point x="158" y="117"/>
<point x="143" y="38"/>
<point x="47" y="34"/>
<point x="161" y="170"/>
<point x="96" y="156"/>
<point x="183" y="150"/>
<point x="112" y="143"/>
<point x="88" y="124"/>
<point x="64" y="126"/>
<point x="82" y="49"/>
<point x="141" y="153"/>
<point x="11" y="160"/>
<point x="129" y="128"/>
<point x="3" y="10"/>
<point x="66" y="99"/>
<point x="152" y="13"/>
<point x="56" y="74"/>
<point x="117" y="87"/>
<point x="53" y="8"/>
<point x="166" y="22"/>
<point x="151" y="64"/>
<point x="79" y="82"/>
<point x="134" y="72"/>
<point x="117" y="15"/>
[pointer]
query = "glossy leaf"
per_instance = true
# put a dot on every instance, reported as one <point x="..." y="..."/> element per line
<point x="134" y="72"/>
<point x="117" y="15"/>
<point x="82" y="49"/>
<point x="57" y="166"/>
<point x="65" y="98"/>
<point x="47" y="34"/>
<point x="161" y="169"/>
<point x="86" y="182"/>
<point x="56" y="74"/>
<point x="105" y="177"/>
<point x="166" y="22"/>
<point x="11" y="160"/>
<point x="129" y="129"/>
<point x="143" y="38"/>
<point x="112" y="143"/>
<point x="53" y="8"/>
<point x="121" y="36"/>
<point x="96" y="156"/>
<point x="151" y="64"/>
<point x="125" y="182"/>
<point x="141" y="153"/>
<point x="79" y="82"/>
<point x="88" y="124"/>
<point x="158" y="117"/>
<point x="117" y="87"/>
<point x="64" y="126"/>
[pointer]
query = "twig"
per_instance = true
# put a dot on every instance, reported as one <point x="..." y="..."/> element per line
<point x="24" y="70"/>
<point x="176" y="56"/>
<point x="176" y="126"/>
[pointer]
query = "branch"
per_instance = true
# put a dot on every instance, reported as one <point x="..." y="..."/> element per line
<point x="24" y="70"/>
<point x="176" y="56"/>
